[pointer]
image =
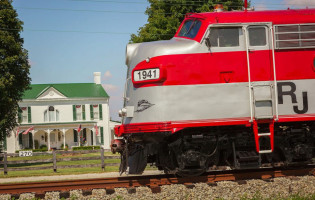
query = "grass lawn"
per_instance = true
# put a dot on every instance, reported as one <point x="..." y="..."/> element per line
<point x="65" y="171"/>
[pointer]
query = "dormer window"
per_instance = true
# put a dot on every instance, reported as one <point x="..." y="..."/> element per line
<point x="51" y="114"/>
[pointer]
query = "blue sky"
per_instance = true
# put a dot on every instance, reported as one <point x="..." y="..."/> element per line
<point x="68" y="40"/>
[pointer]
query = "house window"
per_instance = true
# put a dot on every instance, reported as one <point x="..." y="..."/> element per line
<point x="51" y="110"/>
<point x="95" y="111"/>
<point x="46" y="116"/>
<point x="24" y="114"/>
<point x="51" y="114"/>
<point x="57" y="115"/>
<point x="78" y="112"/>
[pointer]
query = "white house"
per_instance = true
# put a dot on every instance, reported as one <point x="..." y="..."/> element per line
<point x="55" y="112"/>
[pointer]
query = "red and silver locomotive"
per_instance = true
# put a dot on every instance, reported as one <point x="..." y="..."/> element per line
<point x="230" y="89"/>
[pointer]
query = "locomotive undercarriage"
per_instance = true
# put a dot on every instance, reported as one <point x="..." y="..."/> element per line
<point x="193" y="151"/>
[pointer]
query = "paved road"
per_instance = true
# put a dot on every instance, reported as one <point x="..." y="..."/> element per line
<point x="70" y="177"/>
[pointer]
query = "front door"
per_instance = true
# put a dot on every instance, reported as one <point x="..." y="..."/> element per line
<point x="261" y="73"/>
<point x="53" y="140"/>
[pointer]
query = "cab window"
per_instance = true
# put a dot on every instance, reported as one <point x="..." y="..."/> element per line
<point x="224" y="37"/>
<point x="190" y="29"/>
<point x="257" y="36"/>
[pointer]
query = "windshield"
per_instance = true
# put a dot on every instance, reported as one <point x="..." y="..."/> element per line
<point x="190" y="29"/>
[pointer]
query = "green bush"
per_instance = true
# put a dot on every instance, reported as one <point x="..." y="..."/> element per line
<point x="66" y="148"/>
<point x="40" y="150"/>
<point x="86" y="148"/>
<point x="43" y="146"/>
<point x="34" y="150"/>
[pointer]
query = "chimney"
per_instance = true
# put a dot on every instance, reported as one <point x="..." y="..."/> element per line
<point x="97" y="77"/>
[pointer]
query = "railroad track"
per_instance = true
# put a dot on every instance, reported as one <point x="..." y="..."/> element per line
<point x="152" y="181"/>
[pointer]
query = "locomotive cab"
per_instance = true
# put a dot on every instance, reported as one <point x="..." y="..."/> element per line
<point x="229" y="90"/>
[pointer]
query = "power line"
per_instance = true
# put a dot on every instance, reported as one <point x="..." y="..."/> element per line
<point x="115" y="11"/>
<point x="193" y="1"/>
<point x="74" y="10"/>
<point x="129" y="2"/>
<point x="75" y="31"/>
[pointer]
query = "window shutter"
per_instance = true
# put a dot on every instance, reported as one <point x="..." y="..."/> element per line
<point x="75" y="136"/>
<point x="83" y="112"/>
<point x="29" y="114"/>
<point x="19" y="115"/>
<point x="20" y="139"/>
<point x="102" y="136"/>
<point x="91" y="132"/>
<point x="74" y="113"/>
<point x="30" y="137"/>
<point x="101" y="111"/>
<point x="84" y="134"/>
<point x="91" y="112"/>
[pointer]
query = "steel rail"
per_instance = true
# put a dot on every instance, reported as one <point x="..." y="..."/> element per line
<point x="152" y="181"/>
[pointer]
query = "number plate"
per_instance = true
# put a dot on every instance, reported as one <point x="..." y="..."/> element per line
<point x="146" y="74"/>
<point x="25" y="153"/>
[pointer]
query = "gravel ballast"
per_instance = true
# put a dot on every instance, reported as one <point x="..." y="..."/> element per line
<point x="279" y="188"/>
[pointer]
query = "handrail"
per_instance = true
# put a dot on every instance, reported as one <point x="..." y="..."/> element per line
<point x="248" y="68"/>
<point x="274" y="72"/>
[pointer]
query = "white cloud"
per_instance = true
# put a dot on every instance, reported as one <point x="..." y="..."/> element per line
<point x="107" y="75"/>
<point x="299" y="3"/>
<point x="110" y="88"/>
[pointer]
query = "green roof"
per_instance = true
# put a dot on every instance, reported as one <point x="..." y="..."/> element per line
<point x="70" y="90"/>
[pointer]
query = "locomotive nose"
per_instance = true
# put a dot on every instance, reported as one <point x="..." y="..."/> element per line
<point x="130" y="51"/>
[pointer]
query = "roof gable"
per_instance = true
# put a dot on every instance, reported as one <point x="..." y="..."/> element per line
<point x="68" y="90"/>
<point x="50" y="93"/>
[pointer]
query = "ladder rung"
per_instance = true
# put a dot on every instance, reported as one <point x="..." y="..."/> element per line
<point x="265" y="151"/>
<point x="264" y="134"/>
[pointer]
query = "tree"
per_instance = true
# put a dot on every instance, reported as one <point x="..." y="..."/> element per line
<point x="165" y="16"/>
<point x="14" y="67"/>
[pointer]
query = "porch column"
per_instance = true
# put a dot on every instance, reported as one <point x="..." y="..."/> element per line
<point x="79" y="138"/>
<point x="16" y="143"/>
<point x="48" y="139"/>
<point x="57" y="140"/>
<point x="33" y="137"/>
<point x="94" y="137"/>
<point x="64" y="138"/>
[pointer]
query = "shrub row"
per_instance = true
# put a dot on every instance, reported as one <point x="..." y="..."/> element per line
<point x="86" y="148"/>
<point x="34" y="150"/>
